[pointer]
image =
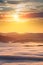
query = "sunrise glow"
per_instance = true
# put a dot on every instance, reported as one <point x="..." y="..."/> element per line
<point x="21" y="32"/>
<point x="16" y="18"/>
<point x="21" y="18"/>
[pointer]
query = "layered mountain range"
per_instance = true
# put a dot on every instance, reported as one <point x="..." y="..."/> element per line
<point x="16" y="37"/>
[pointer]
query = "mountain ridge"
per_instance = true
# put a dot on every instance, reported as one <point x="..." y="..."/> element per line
<point x="25" y="37"/>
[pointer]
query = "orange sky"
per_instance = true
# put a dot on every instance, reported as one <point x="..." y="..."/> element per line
<point x="30" y="26"/>
<point x="34" y="23"/>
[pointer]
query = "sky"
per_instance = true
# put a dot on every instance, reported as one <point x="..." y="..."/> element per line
<point x="21" y="16"/>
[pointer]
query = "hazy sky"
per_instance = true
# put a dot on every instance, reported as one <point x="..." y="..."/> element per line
<point x="33" y="25"/>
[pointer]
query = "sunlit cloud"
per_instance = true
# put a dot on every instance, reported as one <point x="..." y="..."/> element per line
<point x="27" y="6"/>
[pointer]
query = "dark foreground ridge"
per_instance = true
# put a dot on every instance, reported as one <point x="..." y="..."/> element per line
<point x="22" y="38"/>
<point x="20" y="58"/>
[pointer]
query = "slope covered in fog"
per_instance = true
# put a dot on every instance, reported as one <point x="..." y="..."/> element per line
<point x="15" y="37"/>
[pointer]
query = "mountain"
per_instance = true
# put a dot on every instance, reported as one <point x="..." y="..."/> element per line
<point x="16" y="37"/>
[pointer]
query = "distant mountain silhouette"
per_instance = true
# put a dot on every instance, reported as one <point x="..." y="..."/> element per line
<point x="16" y="37"/>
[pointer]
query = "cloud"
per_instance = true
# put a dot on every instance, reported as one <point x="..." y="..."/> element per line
<point x="27" y="0"/>
<point x="33" y="7"/>
<point x="18" y="1"/>
<point x="13" y="2"/>
<point x="6" y="8"/>
<point x="30" y="7"/>
<point x="1" y="1"/>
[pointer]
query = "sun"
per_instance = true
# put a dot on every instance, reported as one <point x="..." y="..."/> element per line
<point x="16" y="17"/>
<point x="19" y="16"/>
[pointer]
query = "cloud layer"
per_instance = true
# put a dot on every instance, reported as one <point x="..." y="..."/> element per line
<point x="17" y="1"/>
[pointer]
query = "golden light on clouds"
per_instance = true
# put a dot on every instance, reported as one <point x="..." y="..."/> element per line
<point x="18" y="18"/>
<point x="22" y="18"/>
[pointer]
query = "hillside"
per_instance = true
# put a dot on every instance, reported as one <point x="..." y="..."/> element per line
<point x="16" y="37"/>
